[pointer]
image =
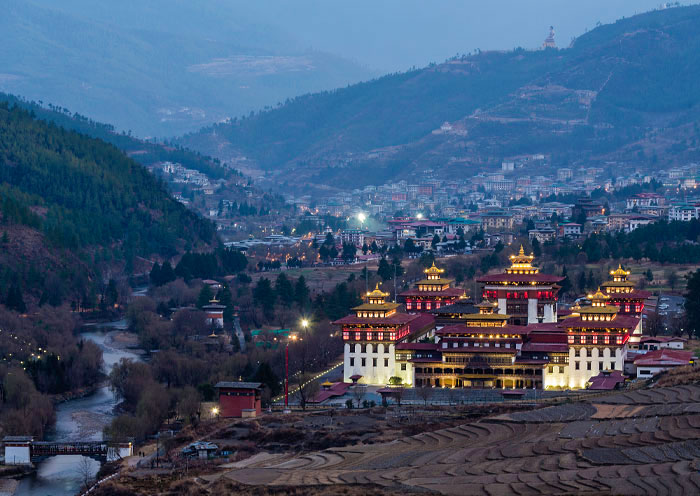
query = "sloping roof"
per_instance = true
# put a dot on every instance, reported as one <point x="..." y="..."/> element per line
<point x="238" y="385"/>
<point x="422" y="321"/>
<point x="543" y="278"/>
<point x="664" y="358"/>
<point x="464" y="329"/>
<point x="396" y="319"/>
<point x="545" y="347"/>
<point x="606" y="381"/>
<point x="444" y="292"/>
<point x="337" y="389"/>
<point x="619" y="322"/>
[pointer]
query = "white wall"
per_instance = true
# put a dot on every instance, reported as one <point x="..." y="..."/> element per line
<point x="17" y="455"/>
<point x="378" y="375"/>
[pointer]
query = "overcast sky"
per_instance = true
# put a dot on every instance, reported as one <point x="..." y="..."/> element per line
<point x="389" y="35"/>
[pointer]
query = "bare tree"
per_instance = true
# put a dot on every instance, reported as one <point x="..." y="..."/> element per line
<point x="86" y="472"/>
<point x="425" y="393"/>
<point x="672" y="279"/>
<point x="358" y="393"/>
<point x="308" y="387"/>
<point x="654" y="323"/>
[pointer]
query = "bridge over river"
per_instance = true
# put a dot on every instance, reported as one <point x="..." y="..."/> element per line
<point x="23" y="450"/>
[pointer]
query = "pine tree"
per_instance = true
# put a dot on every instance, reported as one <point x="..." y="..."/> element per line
<point x="154" y="276"/>
<point x="15" y="301"/>
<point x="205" y="296"/>
<point x="301" y="293"/>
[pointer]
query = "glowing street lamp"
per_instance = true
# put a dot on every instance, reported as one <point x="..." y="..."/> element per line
<point x="419" y="216"/>
<point x="215" y="412"/>
<point x="293" y="337"/>
<point x="361" y="217"/>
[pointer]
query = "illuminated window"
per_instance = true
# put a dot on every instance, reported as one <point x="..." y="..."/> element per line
<point x="346" y="334"/>
<point x="358" y="336"/>
<point x="427" y="305"/>
<point x="571" y="339"/>
<point x="595" y="339"/>
<point x="618" y="339"/>
<point x="418" y="305"/>
<point x="606" y="339"/>
<point x="380" y="336"/>
<point x="408" y="305"/>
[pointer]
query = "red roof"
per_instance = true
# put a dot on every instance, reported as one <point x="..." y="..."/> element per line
<point x="619" y="322"/>
<point x="606" y="381"/>
<point x="417" y="346"/>
<point x="664" y="358"/>
<point x="396" y="319"/>
<point x="421" y="321"/>
<point x="545" y="347"/>
<point x="545" y="278"/>
<point x="463" y="329"/>
<point x="337" y="389"/>
<point x="456" y="292"/>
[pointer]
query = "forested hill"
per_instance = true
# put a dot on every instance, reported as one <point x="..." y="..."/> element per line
<point x="72" y="206"/>
<point x="144" y="152"/>
<point x="624" y="92"/>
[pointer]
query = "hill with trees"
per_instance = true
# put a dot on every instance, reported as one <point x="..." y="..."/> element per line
<point x="76" y="211"/>
<point x="623" y="92"/>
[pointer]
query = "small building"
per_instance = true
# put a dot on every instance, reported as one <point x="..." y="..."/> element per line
<point x="649" y="343"/>
<point x="654" y="362"/>
<point x="18" y="450"/>
<point x="239" y="399"/>
<point x="607" y="380"/>
<point x="215" y="313"/>
<point x="200" y="449"/>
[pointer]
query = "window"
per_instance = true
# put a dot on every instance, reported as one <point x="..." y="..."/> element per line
<point x="551" y="369"/>
<point x="374" y="362"/>
<point x="577" y="365"/>
<point x="577" y="353"/>
<point x="600" y="365"/>
<point x="588" y="365"/>
<point x="352" y="362"/>
<point x="386" y="362"/>
<point x="618" y="339"/>
<point x="606" y="340"/>
<point x="561" y="370"/>
<point x="611" y="366"/>
<point x="403" y="366"/>
<point x="364" y="362"/>
<point x="571" y="339"/>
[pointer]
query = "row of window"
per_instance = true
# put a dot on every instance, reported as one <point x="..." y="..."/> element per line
<point x="376" y="335"/>
<point x="594" y="339"/>
<point x="476" y="344"/>
<point x="363" y="362"/>
<point x="420" y="305"/>
<point x="589" y="365"/>
<point x="368" y="348"/>
<point x="581" y="352"/>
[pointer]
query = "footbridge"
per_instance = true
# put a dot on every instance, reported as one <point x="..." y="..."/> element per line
<point x="23" y="450"/>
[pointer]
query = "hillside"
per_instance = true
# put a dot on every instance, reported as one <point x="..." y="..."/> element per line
<point x="158" y="68"/>
<point x="74" y="207"/>
<point x="623" y="92"/>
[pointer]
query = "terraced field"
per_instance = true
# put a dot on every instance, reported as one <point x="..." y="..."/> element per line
<point x="631" y="443"/>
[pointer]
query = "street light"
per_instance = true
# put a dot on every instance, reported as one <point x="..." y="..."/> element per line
<point x="215" y="412"/>
<point x="419" y="215"/>
<point x="293" y="337"/>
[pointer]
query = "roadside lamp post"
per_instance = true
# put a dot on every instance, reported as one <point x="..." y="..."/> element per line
<point x="293" y="337"/>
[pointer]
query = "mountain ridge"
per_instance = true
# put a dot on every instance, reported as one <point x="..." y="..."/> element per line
<point x="624" y="91"/>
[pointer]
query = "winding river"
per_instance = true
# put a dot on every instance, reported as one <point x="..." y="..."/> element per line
<point x="80" y="419"/>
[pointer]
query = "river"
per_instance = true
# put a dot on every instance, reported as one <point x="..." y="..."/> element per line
<point x="80" y="419"/>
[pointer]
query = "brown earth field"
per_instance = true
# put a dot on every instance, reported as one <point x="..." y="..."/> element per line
<point x="632" y="442"/>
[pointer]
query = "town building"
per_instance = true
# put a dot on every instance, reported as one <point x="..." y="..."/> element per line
<point x="523" y="293"/>
<point x="598" y="337"/>
<point x="654" y="362"/>
<point x="371" y="336"/>
<point x="684" y="211"/>
<point x="239" y="399"/>
<point x="432" y="292"/>
<point x="651" y="343"/>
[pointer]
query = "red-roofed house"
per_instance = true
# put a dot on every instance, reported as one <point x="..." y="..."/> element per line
<point x="657" y="361"/>
<point x="607" y="380"/>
